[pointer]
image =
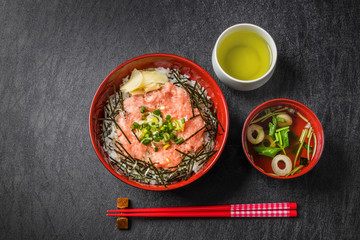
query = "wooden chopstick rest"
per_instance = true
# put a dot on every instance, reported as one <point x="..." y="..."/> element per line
<point x="122" y="203"/>
<point x="122" y="222"/>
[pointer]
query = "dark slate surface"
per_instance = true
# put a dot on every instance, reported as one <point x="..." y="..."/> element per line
<point x="54" y="55"/>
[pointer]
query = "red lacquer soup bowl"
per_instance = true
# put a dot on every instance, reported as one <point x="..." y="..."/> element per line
<point x="185" y="66"/>
<point x="263" y="163"/>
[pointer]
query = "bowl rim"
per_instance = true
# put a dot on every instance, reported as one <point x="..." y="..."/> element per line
<point x="262" y="107"/>
<point x="273" y="62"/>
<point x="177" y="184"/>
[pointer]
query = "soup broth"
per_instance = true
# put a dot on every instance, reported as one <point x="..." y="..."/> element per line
<point x="299" y="134"/>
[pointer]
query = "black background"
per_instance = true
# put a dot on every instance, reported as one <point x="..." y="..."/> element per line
<point x="54" y="55"/>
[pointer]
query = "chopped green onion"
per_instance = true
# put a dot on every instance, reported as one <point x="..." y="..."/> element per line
<point x="281" y="109"/>
<point x="310" y="132"/>
<point x="303" y="134"/>
<point x="168" y="160"/>
<point x="276" y="137"/>
<point x="266" y="116"/>
<point x="166" y="137"/>
<point x="280" y="139"/>
<point x="155" y="129"/>
<point x="292" y="172"/>
<point x="296" y="169"/>
<point x="181" y="140"/>
<point x="302" y="138"/>
<point x="280" y="129"/>
<point x="157" y="112"/>
<point x="309" y="141"/>
<point x="177" y="124"/>
<point x="156" y="149"/>
<point x="302" y="117"/>
<point x="314" y="145"/>
<point x="135" y="125"/>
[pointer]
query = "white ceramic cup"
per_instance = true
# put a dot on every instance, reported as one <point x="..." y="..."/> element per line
<point x="244" y="85"/>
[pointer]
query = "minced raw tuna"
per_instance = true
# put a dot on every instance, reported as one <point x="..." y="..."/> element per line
<point x="171" y="100"/>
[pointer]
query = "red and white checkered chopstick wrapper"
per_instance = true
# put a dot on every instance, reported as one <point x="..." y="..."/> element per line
<point x="263" y="210"/>
<point x="263" y="206"/>
<point x="264" y="213"/>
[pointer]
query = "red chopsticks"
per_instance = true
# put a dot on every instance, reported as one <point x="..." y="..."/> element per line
<point x="270" y="213"/>
<point x="234" y="210"/>
<point x="232" y="207"/>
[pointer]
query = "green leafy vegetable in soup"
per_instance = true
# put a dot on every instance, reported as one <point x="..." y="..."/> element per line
<point x="272" y="128"/>
<point x="267" y="151"/>
<point x="306" y="146"/>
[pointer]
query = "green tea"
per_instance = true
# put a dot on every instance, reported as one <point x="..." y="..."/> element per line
<point x="244" y="55"/>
